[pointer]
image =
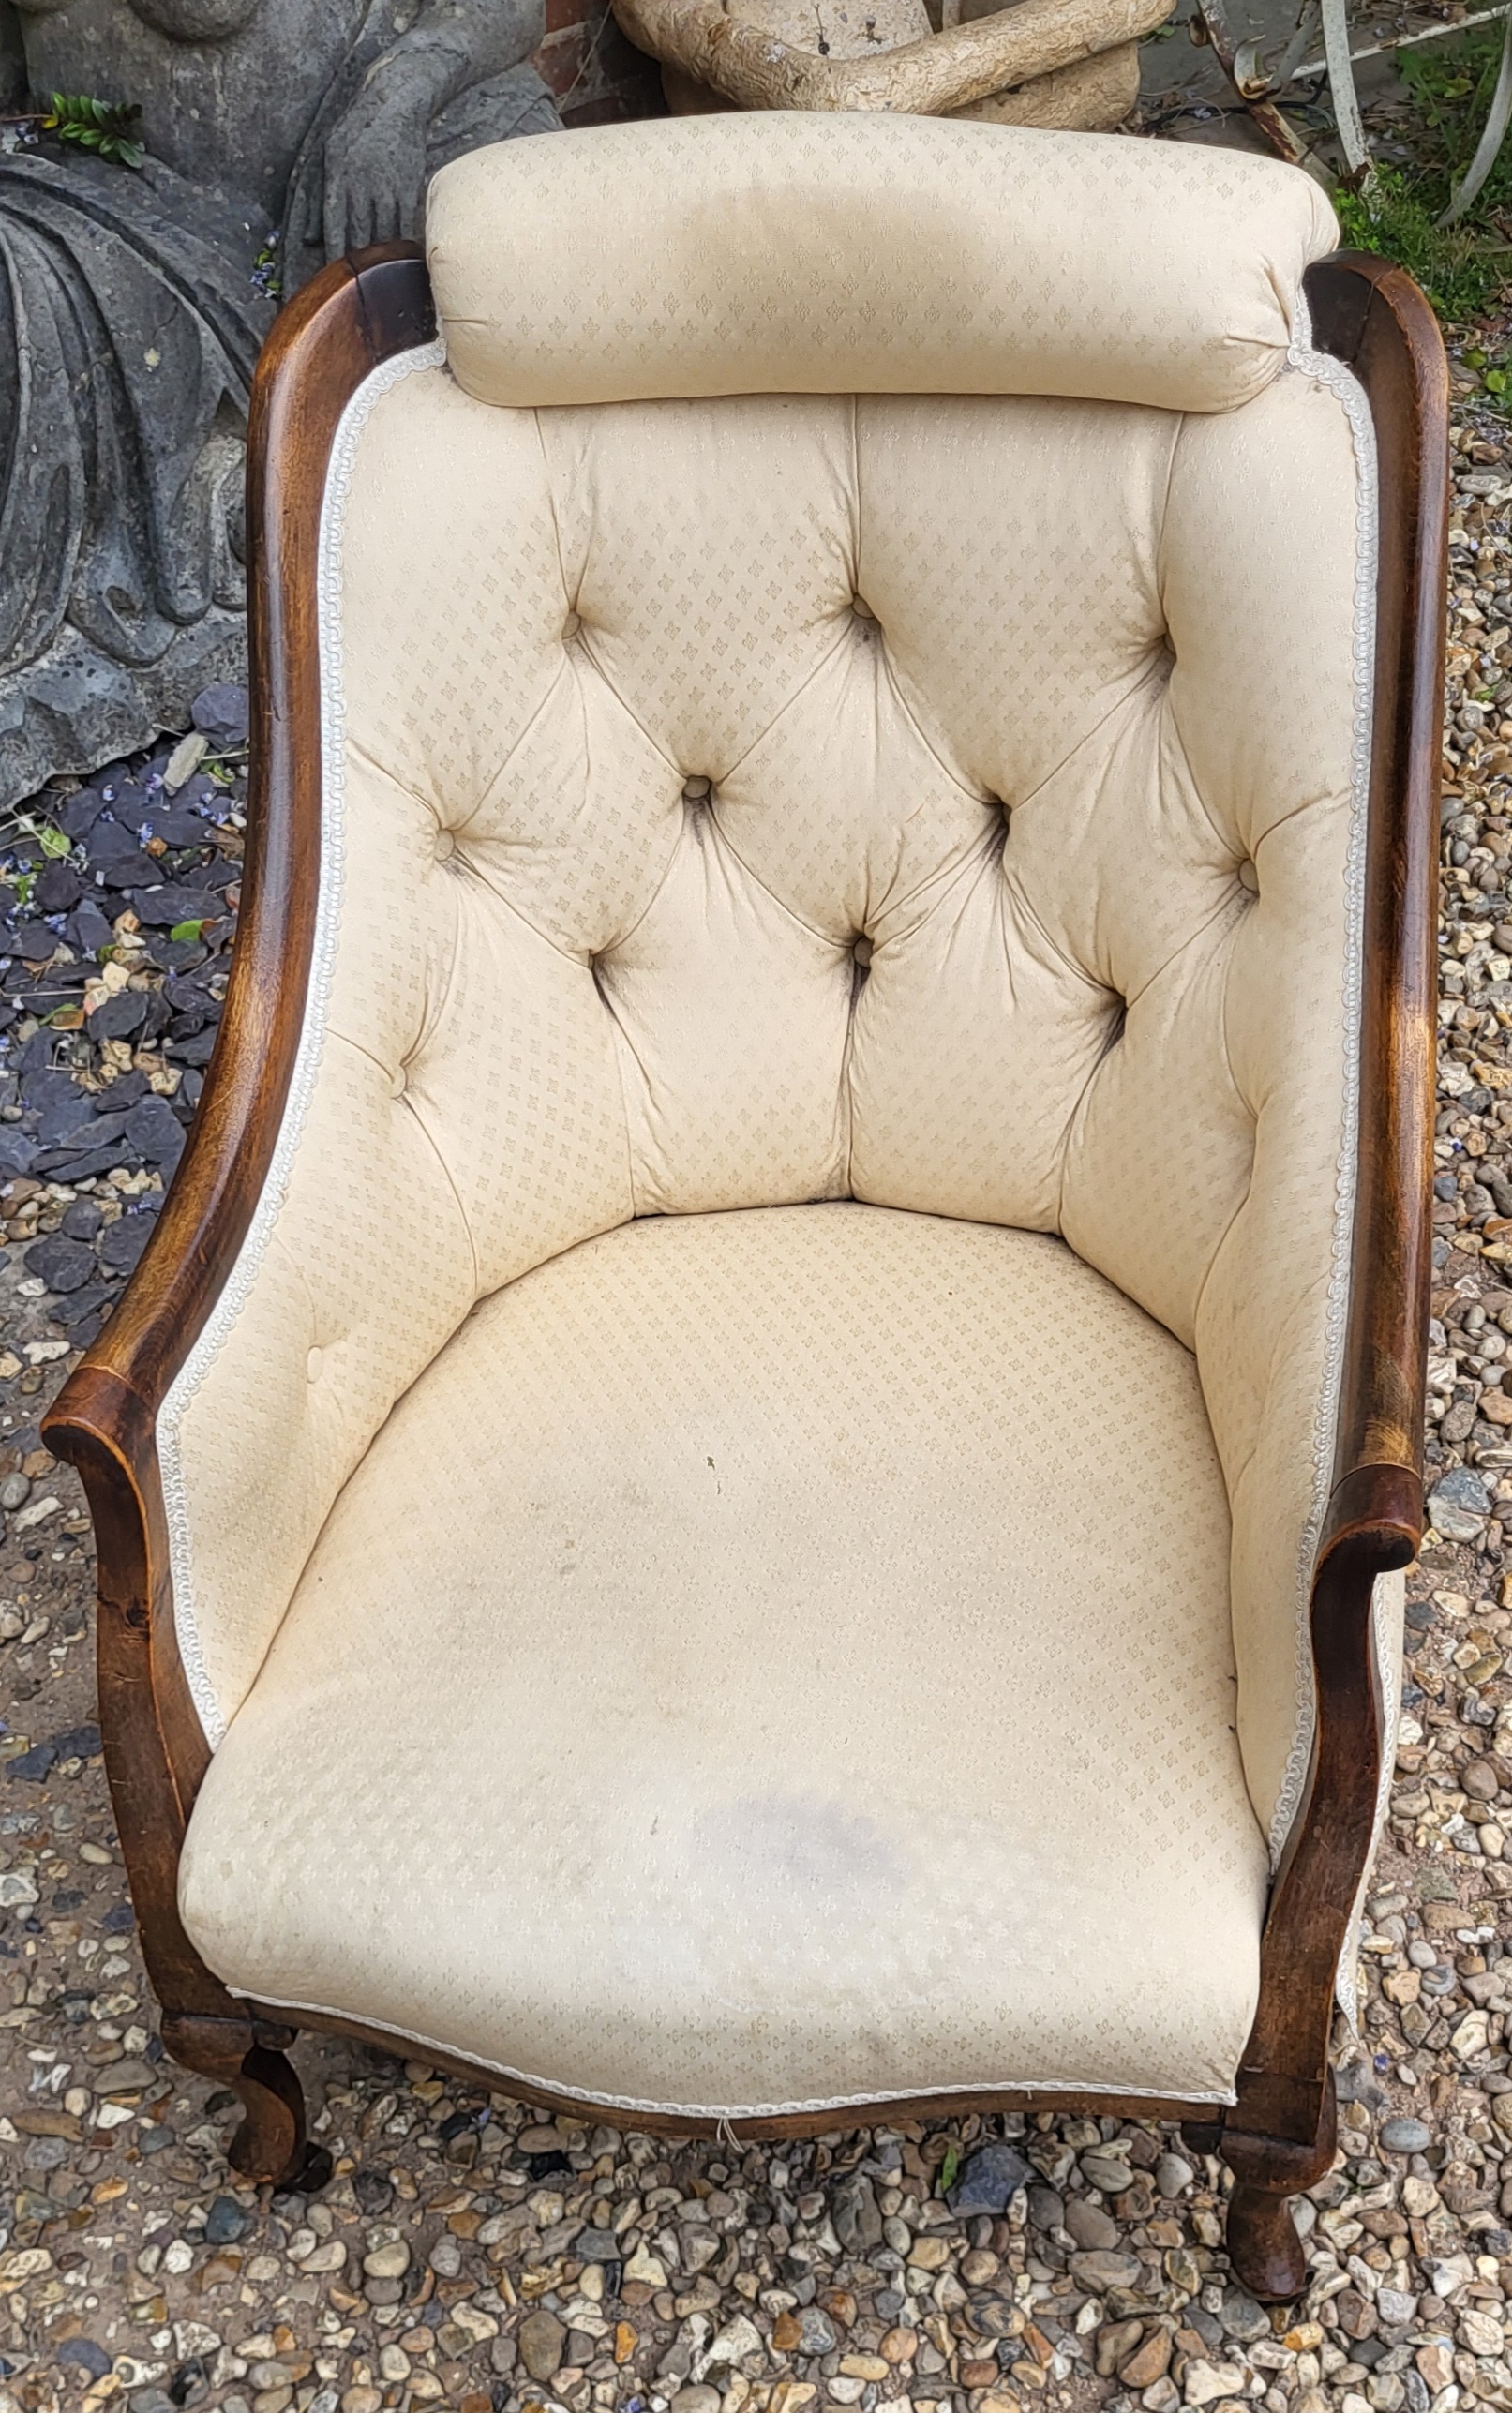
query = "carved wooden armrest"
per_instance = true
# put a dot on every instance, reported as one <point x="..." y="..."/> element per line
<point x="1372" y="317"/>
<point x="104" y="1420"/>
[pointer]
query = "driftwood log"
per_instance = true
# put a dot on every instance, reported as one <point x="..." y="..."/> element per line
<point x="977" y="69"/>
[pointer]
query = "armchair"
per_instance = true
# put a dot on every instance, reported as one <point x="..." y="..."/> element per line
<point x="759" y="1469"/>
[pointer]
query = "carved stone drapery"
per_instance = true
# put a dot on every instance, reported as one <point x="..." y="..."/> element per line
<point x="133" y="303"/>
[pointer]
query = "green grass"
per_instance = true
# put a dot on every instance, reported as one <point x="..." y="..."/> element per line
<point x="1464" y="269"/>
<point x="1458" y="268"/>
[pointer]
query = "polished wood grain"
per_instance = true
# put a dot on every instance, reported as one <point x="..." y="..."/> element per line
<point x="1371" y="316"/>
<point x="1279" y="2135"/>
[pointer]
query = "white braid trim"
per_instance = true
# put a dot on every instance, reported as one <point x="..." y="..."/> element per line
<point x="1325" y="370"/>
<point x="727" y="2111"/>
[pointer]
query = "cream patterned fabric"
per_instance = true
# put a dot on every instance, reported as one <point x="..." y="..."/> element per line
<point x="947" y="803"/>
<point x="785" y="252"/>
<point x="774" y="1708"/>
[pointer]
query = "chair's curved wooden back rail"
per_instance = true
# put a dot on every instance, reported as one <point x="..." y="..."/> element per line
<point x="1280" y="2132"/>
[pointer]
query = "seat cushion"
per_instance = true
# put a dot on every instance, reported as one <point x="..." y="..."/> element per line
<point x="770" y="1660"/>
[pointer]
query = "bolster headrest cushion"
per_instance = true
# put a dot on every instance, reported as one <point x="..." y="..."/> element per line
<point x="781" y="252"/>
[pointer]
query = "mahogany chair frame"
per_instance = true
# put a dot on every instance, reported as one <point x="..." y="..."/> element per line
<point x="1279" y="2136"/>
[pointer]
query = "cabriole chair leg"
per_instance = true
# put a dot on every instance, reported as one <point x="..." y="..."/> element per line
<point x="270" y="2144"/>
<point x="1264" y="2246"/>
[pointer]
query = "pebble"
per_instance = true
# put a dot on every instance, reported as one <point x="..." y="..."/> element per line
<point x="1242" y="2317"/>
<point x="221" y="712"/>
<point x="1108" y="2171"/>
<point x="815" y="2331"/>
<point x="1090" y="2225"/>
<point x="1405" y="2134"/>
<point x="542" y="2339"/>
<point x="1479" y="2334"/>
<point x="1207" y="2383"/>
<point x="989" y="2180"/>
<point x="544" y="2139"/>
<point x="225" y="2222"/>
<point x="598" y="2246"/>
<point x="1099" y="2272"/>
<point x="1458" y="1505"/>
<point x="103" y="1096"/>
<point x="1149" y="2364"/>
<point x="85" y="2356"/>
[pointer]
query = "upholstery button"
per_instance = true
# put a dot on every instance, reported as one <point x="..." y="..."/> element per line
<point x="445" y="846"/>
<point x="1249" y="878"/>
<point x="863" y="611"/>
<point x="569" y="627"/>
<point x="313" y="1364"/>
<point x="398" y="1081"/>
<point x="695" y="791"/>
<point x="862" y="951"/>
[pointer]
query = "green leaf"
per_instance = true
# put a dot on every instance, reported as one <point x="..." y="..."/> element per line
<point x="49" y="837"/>
<point x="188" y="933"/>
<point x="949" y="2168"/>
<point x="23" y="883"/>
<point x="108" y="126"/>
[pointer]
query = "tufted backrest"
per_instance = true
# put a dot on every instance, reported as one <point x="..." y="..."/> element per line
<point x="944" y="800"/>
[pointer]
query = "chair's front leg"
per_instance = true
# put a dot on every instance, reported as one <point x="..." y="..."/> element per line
<point x="1262" y="2242"/>
<point x="155" y="1756"/>
<point x="1281" y="2134"/>
<point x="1264" y="2246"/>
<point x="270" y="2144"/>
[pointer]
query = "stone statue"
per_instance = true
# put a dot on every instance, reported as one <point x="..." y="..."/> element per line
<point x="279" y="134"/>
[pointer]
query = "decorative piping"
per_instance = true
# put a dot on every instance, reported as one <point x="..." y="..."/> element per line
<point x="260" y="1232"/>
<point x="719" y="2111"/>
<point x="1342" y="382"/>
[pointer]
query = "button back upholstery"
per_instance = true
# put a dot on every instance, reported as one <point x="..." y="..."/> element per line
<point x="943" y="802"/>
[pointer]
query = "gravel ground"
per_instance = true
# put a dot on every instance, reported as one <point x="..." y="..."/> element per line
<point x="469" y="2254"/>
